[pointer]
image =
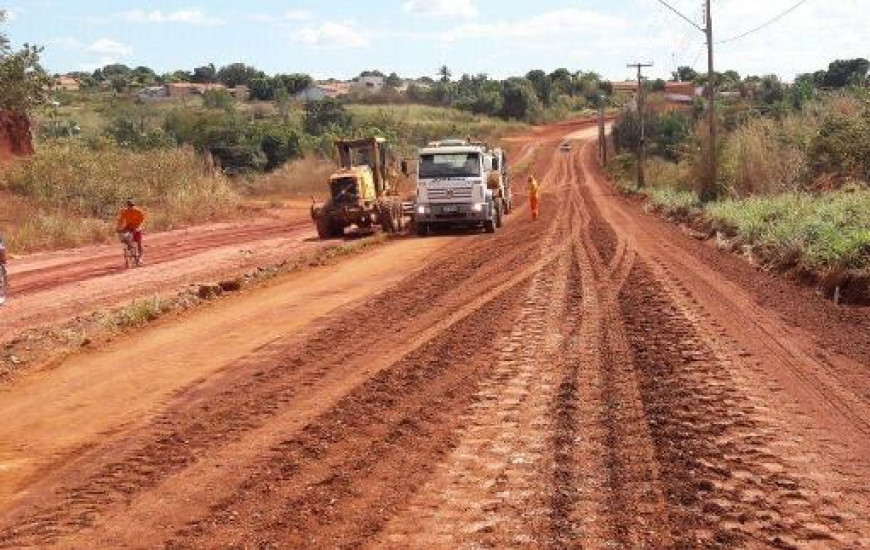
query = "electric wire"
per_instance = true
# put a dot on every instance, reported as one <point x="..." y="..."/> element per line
<point x="764" y="25"/>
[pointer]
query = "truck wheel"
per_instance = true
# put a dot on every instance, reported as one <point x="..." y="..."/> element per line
<point x="422" y="229"/>
<point x="489" y="226"/>
<point x="498" y="217"/>
<point x="325" y="228"/>
<point x="387" y="222"/>
<point x="399" y="218"/>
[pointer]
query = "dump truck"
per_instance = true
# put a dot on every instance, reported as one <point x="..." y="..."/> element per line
<point x="461" y="182"/>
<point x="361" y="192"/>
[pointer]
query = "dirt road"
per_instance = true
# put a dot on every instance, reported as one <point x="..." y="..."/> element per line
<point x="51" y="287"/>
<point x="595" y="379"/>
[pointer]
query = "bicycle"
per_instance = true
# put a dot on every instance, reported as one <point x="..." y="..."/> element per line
<point x="132" y="257"/>
<point x="4" y="284"/>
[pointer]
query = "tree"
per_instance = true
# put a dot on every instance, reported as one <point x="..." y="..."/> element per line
<point x="847" y="72"/>
<point x="322" y="116"/>
<point x="23" y="81"/>
<point x="444" y="74"/>
<point x="143" y="76"/>
<point x="293" y="83"/>
<point x="262" y="89"/>
<point x="685" y="74"/>
<point x="658" y="85"/>
<point x="371" y="73"/>
<point x="542" y="85"/>
<point x="393" y="81"/>
<point x="206" y="74"/>
<point x="238" y="74"/>
<point x="562" y="82"/>
<point x="520" y="101"/>
<point x="177" y="76"/>
<point x="218" y="99"/>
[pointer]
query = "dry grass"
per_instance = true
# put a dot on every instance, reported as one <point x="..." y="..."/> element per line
<point x="68" y="195"/>
<point x="298" y="179"/>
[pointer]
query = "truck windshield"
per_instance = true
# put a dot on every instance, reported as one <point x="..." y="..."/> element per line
<point x="451" y="165"/>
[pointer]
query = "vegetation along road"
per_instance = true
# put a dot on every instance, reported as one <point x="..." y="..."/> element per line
<point x="594" y="379"/>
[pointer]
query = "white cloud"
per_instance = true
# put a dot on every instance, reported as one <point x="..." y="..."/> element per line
<point x="442" y="8"/>
<point x="189" y="17"/>
<point x="298" y="15"/>
<point x="544" y="26"/>
<point x="109" y="51"/>
<point x="66" y="42"/>
<point x="11" y="15"/>
<point x="333" y="35"/>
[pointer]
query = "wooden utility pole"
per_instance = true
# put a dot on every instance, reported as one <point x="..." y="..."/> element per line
<point x="708" y="190"/>
<point x="641" y="152"/>
<point x="602" y="135"/>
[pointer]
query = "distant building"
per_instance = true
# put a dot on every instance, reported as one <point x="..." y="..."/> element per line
<point x="368" y="83"/>
<point x="679" y="88"/>
<point x="179" y="90"/>
<point x="152" y="93"/>
<point x="67" y="84"/>
<point x="319" y="92"/>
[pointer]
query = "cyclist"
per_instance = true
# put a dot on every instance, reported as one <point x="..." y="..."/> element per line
<point x="130" y="219"/>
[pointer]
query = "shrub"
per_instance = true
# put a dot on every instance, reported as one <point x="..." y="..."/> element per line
<point x="173" y="184"/>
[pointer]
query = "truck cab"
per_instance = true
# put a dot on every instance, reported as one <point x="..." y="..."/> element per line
<point x="452" y="187"/>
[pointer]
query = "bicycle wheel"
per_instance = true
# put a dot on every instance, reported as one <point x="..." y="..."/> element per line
<point x="4" y="284"/>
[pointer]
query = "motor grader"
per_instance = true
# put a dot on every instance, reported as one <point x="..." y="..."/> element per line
<point x="361" y="192"/>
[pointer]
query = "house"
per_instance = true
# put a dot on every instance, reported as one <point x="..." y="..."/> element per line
<point x="152" y="93"/>
<point x="678" y="88"/>
<point x="319" y="92"/>
<point x="180" y="90"/>
<point x="67" y="84"/>
<point x="312" y="93"/>
<point x="368" y="83"/>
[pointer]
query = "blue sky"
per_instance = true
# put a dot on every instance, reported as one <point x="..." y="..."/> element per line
<point x="413" y="37"/>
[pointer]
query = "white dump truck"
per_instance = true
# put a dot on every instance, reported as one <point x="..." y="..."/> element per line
<point x="461" y="183"/>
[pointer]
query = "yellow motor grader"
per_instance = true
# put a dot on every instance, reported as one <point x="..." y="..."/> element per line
<point x="361" y="192"/>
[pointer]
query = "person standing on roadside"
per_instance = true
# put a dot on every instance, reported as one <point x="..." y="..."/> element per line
<point x="534" y="198"/>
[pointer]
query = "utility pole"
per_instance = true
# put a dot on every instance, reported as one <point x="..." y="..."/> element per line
<point x="602" y="135"/>
<point x="708" y="190"/>
<point x="641" y="153"/>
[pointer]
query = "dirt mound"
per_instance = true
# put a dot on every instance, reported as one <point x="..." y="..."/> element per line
<point x="15" y="137"/>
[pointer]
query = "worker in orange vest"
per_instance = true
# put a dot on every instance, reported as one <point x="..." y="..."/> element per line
<point x="534" y="190"/>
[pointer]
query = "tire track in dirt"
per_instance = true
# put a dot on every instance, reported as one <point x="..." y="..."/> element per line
<point x="736" y="478"/>
<point x="492" y="488"/>
<point x="183" y="436"/>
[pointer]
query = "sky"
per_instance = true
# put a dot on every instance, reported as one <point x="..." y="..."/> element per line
<point x="341" y="38"/>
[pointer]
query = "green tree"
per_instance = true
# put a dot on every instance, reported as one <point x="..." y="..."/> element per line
<point x="685" y="74"/>
<point x="393" y="81"/>
<point x="444" y="74"/>
<point x="23" y="81"/>
<point x="206" y="74"/>
<point x="520" y="100"/>
<point x="218" y="99"/>
<point x="543" y="87"/>
<point x="262" y="89"/>
<point x="238" y="74"/>
<point x="847" y="72"/>
<point x="325" y="115"/>
<point x="293" y="83"/>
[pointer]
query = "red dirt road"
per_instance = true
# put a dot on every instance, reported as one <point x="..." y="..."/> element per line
<point x="596" y="379"/>
<point x="52" y="287"/>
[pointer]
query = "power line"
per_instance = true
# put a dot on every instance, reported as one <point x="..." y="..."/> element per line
<point x="686" y="18"/>
<point x="764" y="25"/>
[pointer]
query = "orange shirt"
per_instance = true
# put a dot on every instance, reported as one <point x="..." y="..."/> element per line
<point x="130" y="219"/>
